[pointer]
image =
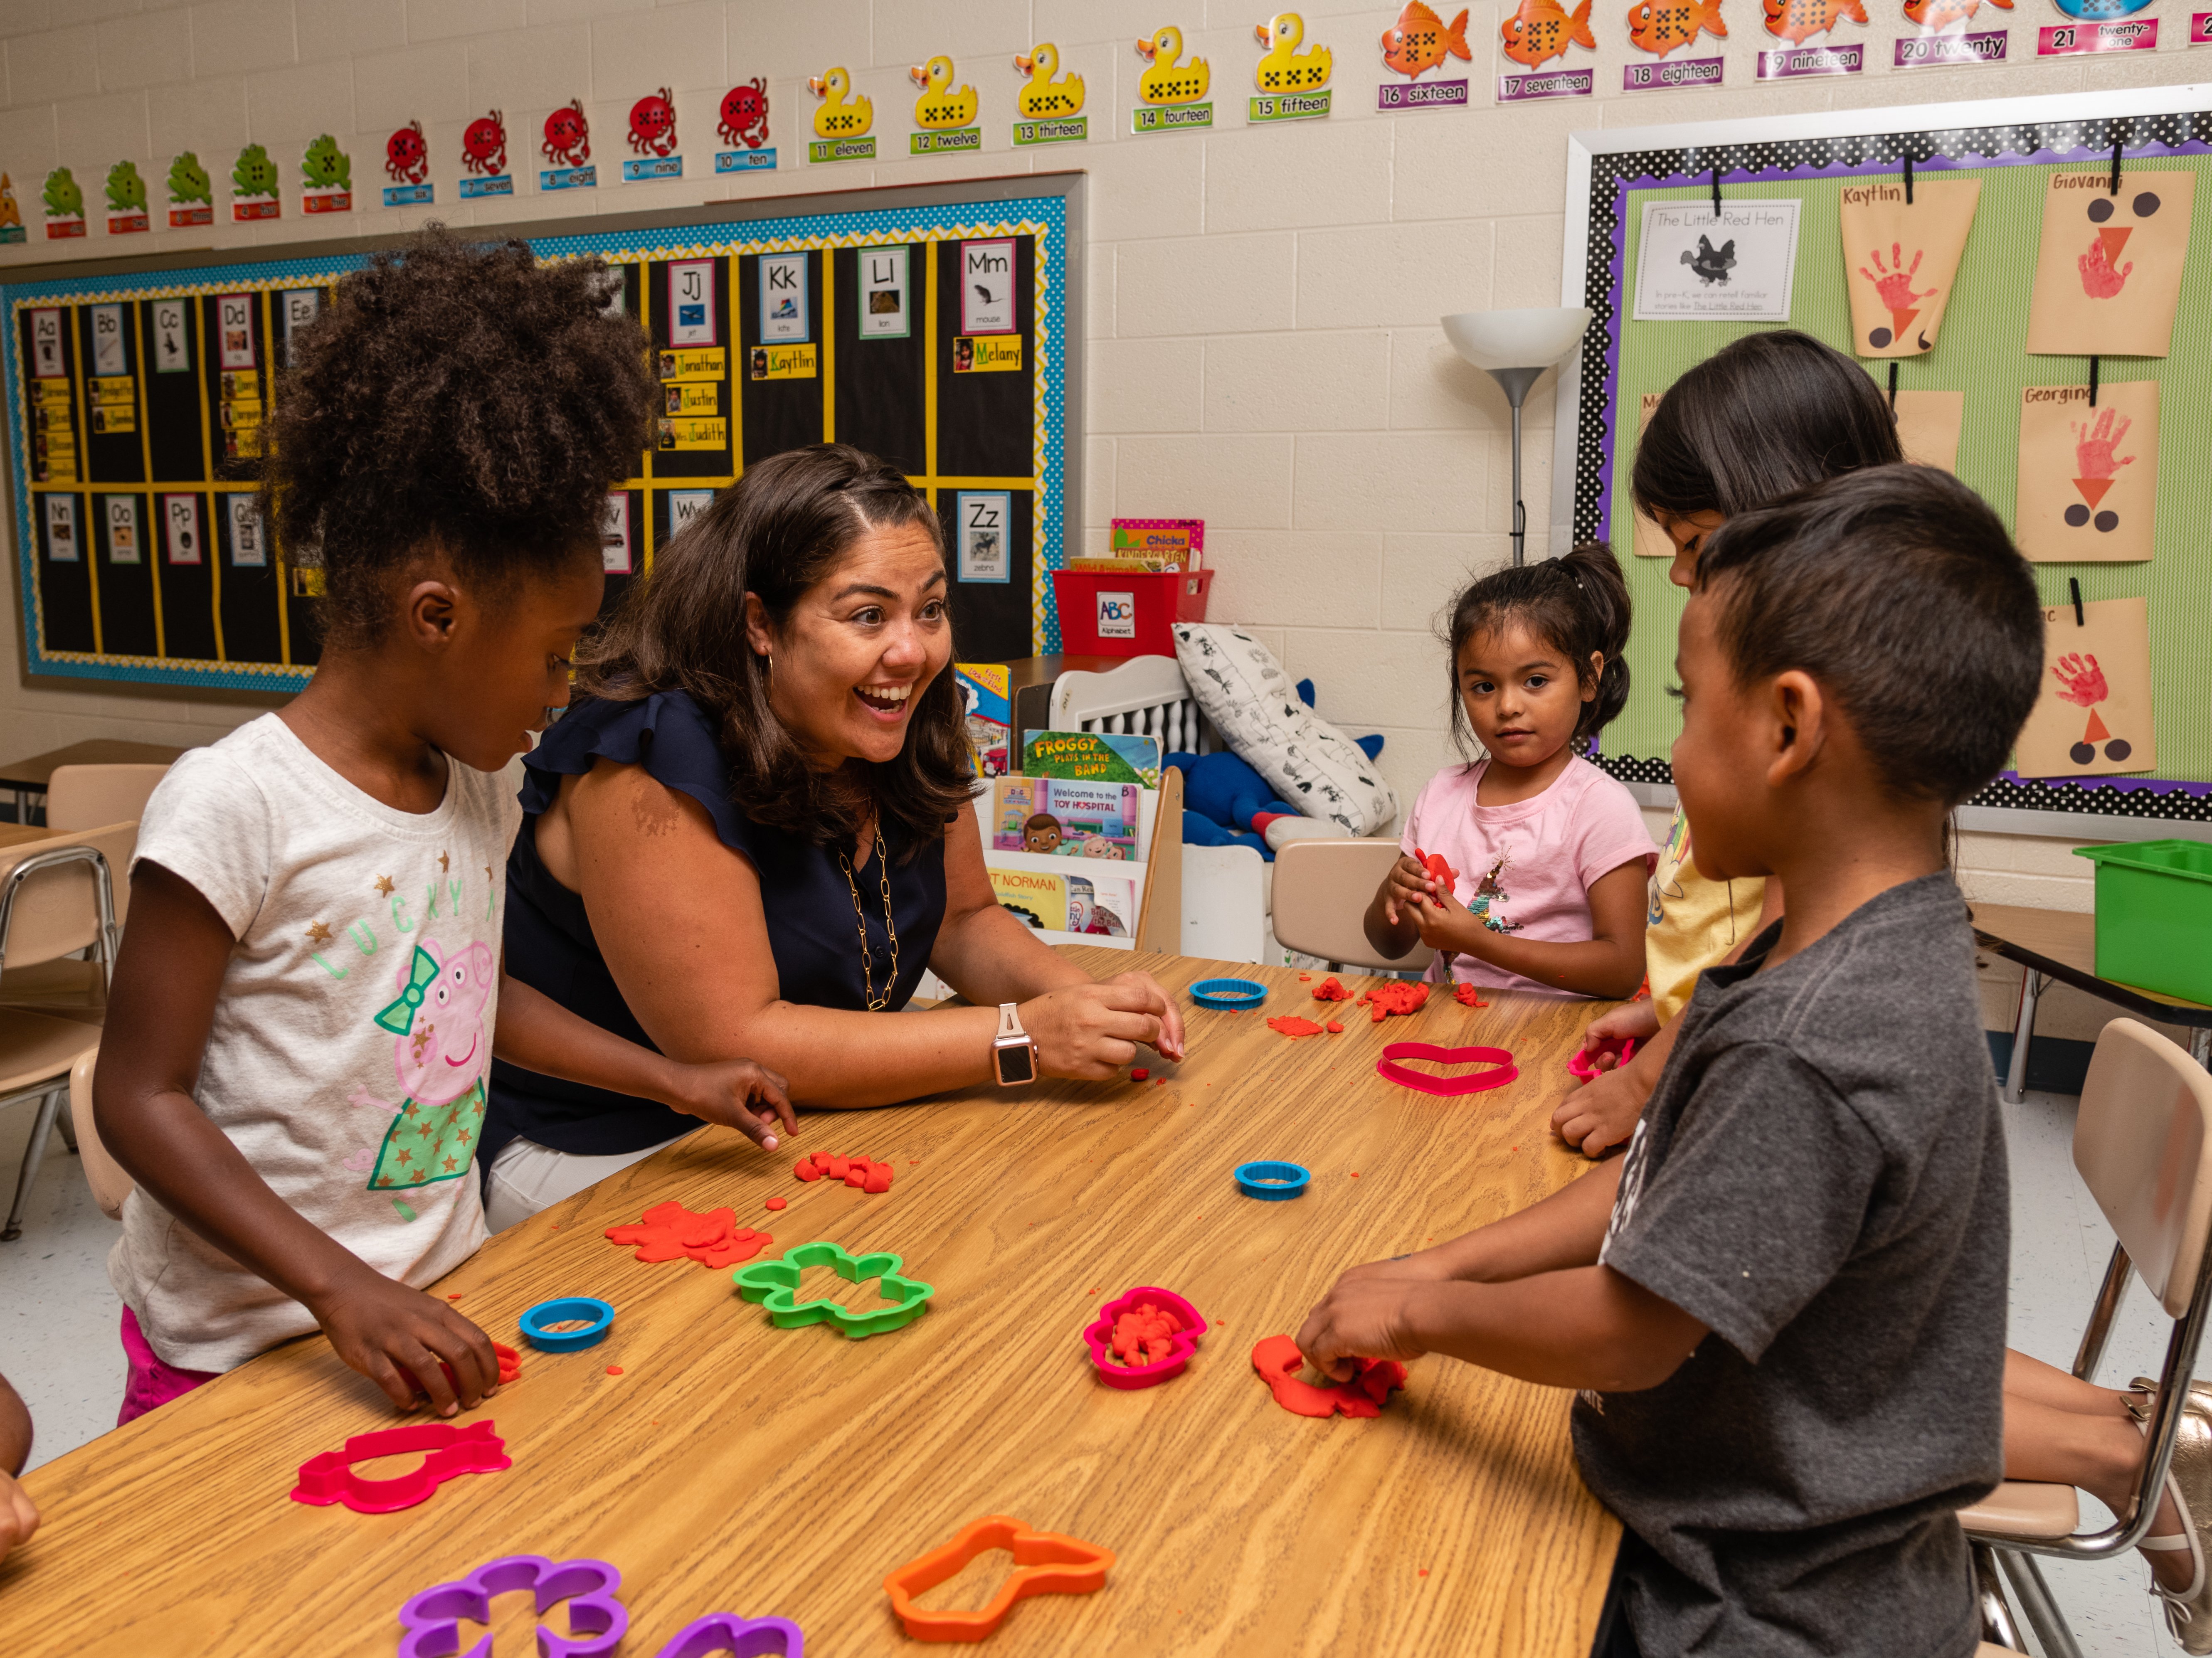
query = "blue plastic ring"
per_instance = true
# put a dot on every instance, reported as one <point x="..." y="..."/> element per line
<point x="1236" y="994"/>
<point x="564" y="1311"/>
<point x="1271" y="1182"/>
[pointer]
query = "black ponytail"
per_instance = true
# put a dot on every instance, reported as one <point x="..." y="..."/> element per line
<point x="1577" y="605"/>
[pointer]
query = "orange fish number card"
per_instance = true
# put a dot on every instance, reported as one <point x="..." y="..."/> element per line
<point x="1534" y="32"/>
<point x="1658" y="27"/>
<point x="1947" y="36"/>
<point x="1796" y="21"/>
<point x="1417" y="43"/>
<point x="1737" y="267"/>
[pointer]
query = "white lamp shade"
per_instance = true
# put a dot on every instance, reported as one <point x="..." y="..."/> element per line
<point x="1535" y="339"/>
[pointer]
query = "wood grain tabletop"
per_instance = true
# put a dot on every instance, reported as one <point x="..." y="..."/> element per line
<point x="733" y="1467"/>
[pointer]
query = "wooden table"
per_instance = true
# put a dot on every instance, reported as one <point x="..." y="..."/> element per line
<point x="736" y="1467"/>
<point x="2062" y="944"/>
<point x="29" y="777"/>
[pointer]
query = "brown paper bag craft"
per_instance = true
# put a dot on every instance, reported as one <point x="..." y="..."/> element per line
<point x="1900" y="259"/>
<point x="2108" y="279"/>
<point x="1928" y="424"/>
<point x="1649" y="540"/>
<point x="2094" y="718"/>
<point x="2088" y="477"/>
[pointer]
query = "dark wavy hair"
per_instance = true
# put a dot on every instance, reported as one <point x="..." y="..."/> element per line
<point x="785" y="526"/>
<point x="1763" y="416"/>
<point x="1578" y="603"/>
<point x="457" y="397"/>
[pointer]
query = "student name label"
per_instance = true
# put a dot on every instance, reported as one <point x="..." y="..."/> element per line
<point x="707" y="363"/>
<point x="1928" y="51"/>
<point x="1796" y="61"/>
<point x="1169" y="118"/>
<point x="745" y="160"/>
<point x="987" y="354"/>
<point x="781" y="363"/>
<point x="1287" y="106"/>
<point x="1066" y="129"/>
<point x="2072" y="40"/>
<point x="1546" y="83"/>
<point x="1684" y="72"/>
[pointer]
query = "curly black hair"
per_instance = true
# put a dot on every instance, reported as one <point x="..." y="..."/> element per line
<point x="459" y="397"/>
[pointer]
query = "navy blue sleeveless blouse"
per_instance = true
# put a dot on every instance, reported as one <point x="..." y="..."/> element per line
<point x="808" y="904"/>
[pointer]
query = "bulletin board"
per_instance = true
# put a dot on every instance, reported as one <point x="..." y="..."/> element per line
<point x="2011" y="147"/>
<point x="930" y="326"/>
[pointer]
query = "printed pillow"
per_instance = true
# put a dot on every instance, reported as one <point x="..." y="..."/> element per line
<point x="1310" y="763"/>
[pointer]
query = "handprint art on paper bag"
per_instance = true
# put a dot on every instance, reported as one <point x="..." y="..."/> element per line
<point x="2082" y="683"/>
<point x="2108" y="271"/>
<point x="1899" y="284"/>
<point x="2089" y="473"/>
<point x="1893" y="286"/>
<point x="2094" y="715"/>
<point x="2099" y="279"/>
<point x="2095" y="466"/>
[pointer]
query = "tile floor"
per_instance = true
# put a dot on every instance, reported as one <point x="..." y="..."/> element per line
<point x="57" y="1318"/>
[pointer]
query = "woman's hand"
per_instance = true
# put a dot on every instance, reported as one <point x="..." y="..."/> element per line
<point x="404" y="1341"/>
<point x="736" y="1094"/>
<point x="1405" y="889"/>
<point x="1090" y="1031"/>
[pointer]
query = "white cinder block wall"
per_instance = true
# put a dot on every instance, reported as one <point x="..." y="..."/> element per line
<point x="1262" y="302"/>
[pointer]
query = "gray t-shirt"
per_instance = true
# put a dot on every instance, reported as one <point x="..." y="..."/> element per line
<point x="1820" y="1179"/>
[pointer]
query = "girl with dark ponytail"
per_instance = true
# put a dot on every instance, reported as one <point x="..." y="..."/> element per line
<point x="1545" y="857"/>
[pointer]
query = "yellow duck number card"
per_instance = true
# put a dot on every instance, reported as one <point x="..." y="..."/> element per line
<point x="2088" y="476"/>
<point x="2094" y="718"/>
<point x="2108" y="277"/>
<point x="945" y="113"/>
<point x="1172" y="93"/>
<point x="1051" y="109"/>
<point x="841" y="125"/>
<point x="1292" y="83"/>
<point x="1900" y="258"/>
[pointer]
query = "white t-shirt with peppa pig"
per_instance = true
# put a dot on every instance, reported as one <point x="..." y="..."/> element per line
<point x="352" y="1037"/>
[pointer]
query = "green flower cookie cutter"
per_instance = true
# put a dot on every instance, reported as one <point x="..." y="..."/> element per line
<point x="775" y="1284"/>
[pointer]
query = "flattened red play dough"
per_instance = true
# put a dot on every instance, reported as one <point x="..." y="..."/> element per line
<point x="1278" y="1362"/>
<point x="1292" y="1026"/>
<point x="775" y="1203"/>
<point x="668" y="1231"/>
<point x="1396" y="996"/>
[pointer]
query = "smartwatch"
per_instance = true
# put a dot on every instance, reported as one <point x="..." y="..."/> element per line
<point x="1013" y="1052"/>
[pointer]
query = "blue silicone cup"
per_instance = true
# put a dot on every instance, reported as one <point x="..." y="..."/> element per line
<point x="1271" y="1182"/>
<point x="1234" y="994"/>
<point x="562" y="1311"/>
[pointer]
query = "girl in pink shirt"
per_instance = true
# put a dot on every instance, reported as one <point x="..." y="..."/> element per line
<point x="1549" y="856"/>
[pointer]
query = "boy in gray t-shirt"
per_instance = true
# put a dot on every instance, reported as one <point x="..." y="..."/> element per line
<point x="1785" y="1306"/>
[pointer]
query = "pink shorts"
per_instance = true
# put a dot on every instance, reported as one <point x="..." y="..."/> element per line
<point x="151" y="1382"/>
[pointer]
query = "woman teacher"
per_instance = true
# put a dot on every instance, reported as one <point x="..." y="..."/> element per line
<point x="751" y="832"/>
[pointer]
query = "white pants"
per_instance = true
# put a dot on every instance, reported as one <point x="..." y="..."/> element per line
<point x="526" y="1177"/>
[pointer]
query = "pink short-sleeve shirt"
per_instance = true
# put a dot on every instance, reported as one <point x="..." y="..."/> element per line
<point x="1527" y="869"/>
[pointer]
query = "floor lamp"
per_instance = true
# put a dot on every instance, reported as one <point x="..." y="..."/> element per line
<point x="1516" y="347"/>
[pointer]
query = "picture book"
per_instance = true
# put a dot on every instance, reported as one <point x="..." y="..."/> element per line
<point x="1062" y="818"/>
<point x="1093" y="757"/>
<point x="990" y="710"/>
<point x="1089" y="903"/>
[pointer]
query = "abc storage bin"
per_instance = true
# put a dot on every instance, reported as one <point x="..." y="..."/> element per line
<point x="1105" y="614"/>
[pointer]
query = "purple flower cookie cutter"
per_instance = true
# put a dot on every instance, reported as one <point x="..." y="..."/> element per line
<point x="596" y="1621"/>
<point x="741" y="1638"/>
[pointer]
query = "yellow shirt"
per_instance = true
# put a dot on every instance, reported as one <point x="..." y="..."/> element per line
<point x="1693" y="921"/>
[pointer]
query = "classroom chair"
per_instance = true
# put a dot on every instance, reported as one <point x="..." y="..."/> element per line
<point x="2142" y="1142"/>
<point x="1322" y="892"/>
<point x="56" y="898"/>
<point x="109" y="1184"/>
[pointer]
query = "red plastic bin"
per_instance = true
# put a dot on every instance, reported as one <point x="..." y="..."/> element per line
<point x="1106" y="614"/>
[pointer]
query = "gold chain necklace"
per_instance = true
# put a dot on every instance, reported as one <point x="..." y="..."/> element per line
<point x="875" y="1003"/>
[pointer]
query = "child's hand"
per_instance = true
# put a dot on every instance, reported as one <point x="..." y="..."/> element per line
<point x="1408" y="886"/>
<point x="1631" y="1022"/>
<point x="402" y="1340"/>
<point x="19" y="1517"/>
<point x="1363" y="1317"/>
<point x="1603" y="1112"/>
<point x="1447" y="924"/>
<point x="727" y="1093"/>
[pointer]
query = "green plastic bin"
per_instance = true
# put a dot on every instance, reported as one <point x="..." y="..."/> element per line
<point x="2154" y="915"/>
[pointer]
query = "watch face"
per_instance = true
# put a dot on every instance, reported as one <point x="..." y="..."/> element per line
<point x="1016" y="1064"/>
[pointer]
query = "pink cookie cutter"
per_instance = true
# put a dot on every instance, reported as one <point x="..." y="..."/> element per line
<point x="329" y="1478"/>
<point x="1100" y="1335"/>
<point x="1579" y="1066"/>
<point x="1477" y="1082"/>
<point x="432" y="1618"/>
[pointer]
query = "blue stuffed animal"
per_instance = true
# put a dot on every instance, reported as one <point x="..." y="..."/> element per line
<point x="1222" y="794"/>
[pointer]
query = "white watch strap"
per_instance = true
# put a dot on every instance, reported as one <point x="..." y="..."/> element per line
<point x="1010" y="1019"/>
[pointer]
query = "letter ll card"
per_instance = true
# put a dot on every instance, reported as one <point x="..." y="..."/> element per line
<point x="884" y="293"/>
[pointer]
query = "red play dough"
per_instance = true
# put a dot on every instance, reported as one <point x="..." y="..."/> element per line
<point x="510" y="1365"/>
<point x="861" y="1174"/>
<point x="1467" y="996"/>
<point x="668" y="1231"/>
<point x="1278" y="1362"/>
<point x="1139" y="1074"/>
<point x="1396" y="996"/>
<point x="805" y="1169"/>
<point x="1331" y="990"/>
<point x="1335" y="1029"/>
<point x="1293" y="1026"/>
<point x="1439" y="871"/>
<point x="775" y="1203"/>
<point x="1144" y="1335"/>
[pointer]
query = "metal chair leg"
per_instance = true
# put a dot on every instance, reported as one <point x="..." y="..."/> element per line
<point x="2035" y="1600"/>
<point x="2023" y="1033"/>
<point x="50" y="1107"/>
<point x="1997" y="1625"/>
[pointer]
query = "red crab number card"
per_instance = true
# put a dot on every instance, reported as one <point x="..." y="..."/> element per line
<point x="2094" y="718"/>
<point x="1899" y="259"/>
<point x="2109" y="275"/>
<point x="2088" y="476"/>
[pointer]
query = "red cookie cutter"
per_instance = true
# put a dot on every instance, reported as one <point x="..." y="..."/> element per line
<point x="1121" y="1325"/>
<point x="1477" y="1082"/>
<point x="329" y="1478"/>
<point x="1579" y="1066"/>
<point x="1278" y="1362"/>
<point x="1045" y="1563"/>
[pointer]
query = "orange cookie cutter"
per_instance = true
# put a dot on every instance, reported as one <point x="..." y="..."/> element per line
<point x="1045" y="1563"/>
